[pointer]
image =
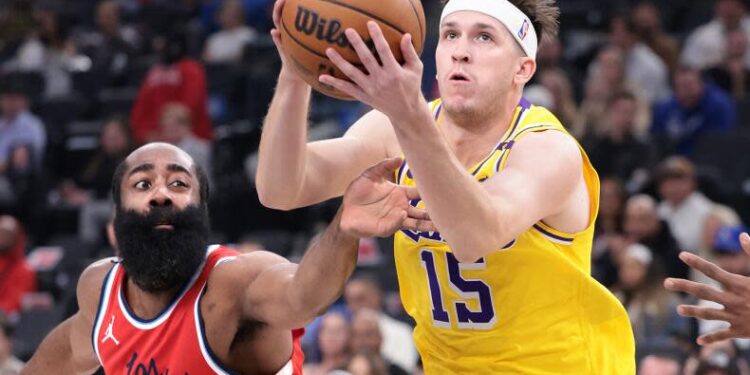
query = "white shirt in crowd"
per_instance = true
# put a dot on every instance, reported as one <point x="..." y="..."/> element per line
<point x="226" y="46"/>
<point x="706" y="46"/>
<point x="687" y="220"/>
<point x="398" y="344"/>
<point x="644" y="67"/>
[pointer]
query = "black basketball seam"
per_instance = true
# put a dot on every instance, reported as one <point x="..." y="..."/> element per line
<point x="419" y="22"/>
<point x="314" y="52"/>
<point x="381" y="20"/>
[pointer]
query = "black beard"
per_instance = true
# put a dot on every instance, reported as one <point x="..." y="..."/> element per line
<point x="160" y="260"/>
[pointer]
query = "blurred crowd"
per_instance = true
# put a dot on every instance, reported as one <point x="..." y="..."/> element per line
<point x="657" y="92"/>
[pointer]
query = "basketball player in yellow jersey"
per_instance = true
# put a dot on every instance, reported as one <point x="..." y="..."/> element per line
<point x="504" y="285"/>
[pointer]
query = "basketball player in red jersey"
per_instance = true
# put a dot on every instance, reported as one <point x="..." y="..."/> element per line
<point x="171" y="304"/>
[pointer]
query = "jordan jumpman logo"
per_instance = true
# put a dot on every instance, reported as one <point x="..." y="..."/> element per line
<point x="108" y="334"/>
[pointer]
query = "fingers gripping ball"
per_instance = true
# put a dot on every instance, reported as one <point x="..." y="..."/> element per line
<point x="309" y="27"/>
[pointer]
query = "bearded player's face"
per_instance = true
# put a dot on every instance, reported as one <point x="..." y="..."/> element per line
<point x="161" y="227"/>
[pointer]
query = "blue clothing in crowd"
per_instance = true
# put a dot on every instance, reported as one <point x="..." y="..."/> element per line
<point x="24" y="129"/>
<point x="683" y="126"/>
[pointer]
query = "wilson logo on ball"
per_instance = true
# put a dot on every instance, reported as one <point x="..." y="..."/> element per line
<point x="309" y="22"/>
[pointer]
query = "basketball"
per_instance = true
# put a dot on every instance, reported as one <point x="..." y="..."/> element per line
<point x="309" y="27"/>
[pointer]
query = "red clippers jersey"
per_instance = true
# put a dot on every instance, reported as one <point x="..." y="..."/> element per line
<point x="172" y="343"/>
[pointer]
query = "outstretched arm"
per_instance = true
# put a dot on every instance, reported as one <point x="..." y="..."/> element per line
<point x="67" y="349"/>
<point x="289" y="295"/>
<point x="734" y="296"/>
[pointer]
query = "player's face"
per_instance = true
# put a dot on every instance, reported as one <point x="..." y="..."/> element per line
<point x="159" y="176"/>
<point x="632" y="273"/>
<point x="366" y="336"/>
<point x="334" y="335"/>
<point x="476" y="61"/>
<point x="161" y="228"/>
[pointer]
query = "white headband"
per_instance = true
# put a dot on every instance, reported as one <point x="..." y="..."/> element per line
<point x="508" y="14"/>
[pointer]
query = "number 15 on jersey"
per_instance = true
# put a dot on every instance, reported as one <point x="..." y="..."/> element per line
<point x="483" y="318"/>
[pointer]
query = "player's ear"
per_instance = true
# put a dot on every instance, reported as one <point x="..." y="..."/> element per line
<point x="111" y="236"/>
<point x="526" y="70"/>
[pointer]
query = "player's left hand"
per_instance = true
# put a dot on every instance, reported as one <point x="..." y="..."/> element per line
<point x="387" y="86"/>
<point x="734" y="296"/>
<point x="375" y="206"/>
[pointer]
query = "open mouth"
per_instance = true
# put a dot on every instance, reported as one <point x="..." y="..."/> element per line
<point x="458" y="76"/>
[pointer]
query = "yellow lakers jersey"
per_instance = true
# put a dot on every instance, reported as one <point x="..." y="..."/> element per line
<point x="528" y="308"/>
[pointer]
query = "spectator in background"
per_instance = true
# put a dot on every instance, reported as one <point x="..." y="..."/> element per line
<point x="228" y="44"/>
<point x="642" y="65"/>
<point x="652" y="309"/>
<point x="606" y="76"/>
<point x="367" y="338"/>
<point x="608" y="236"/>
<point x="719" y="358"/>
<point x="176" y="126"/>
<point x="659" y="364"/>
<point x="563" y="104"/>
<point x="50" y="51"/>
<point x="111" y="46"/>
<point x="643" y="225"/>
<point x="611" y="206"/>
<point x="9" y="365"/>
<point x="16" y="22"/>
<point x="17" y="124"/>
<point x="23" y="183"/>
<point x="550" y="57"/>
<point x="648" y="27"/>
<point x="684" y="207"/>
<point x="398" y="344"/>
<point x="618" y="152"/>
<point x="91" y="190"/>
<point x="728" y="251"/>
<point x="706" y="47"/>
<point x="366" y="363"/>
<point x="95" y="181"/>
<point x="733" y="75"/>
<point x="16" y="279"/>
<point x="695" y="109"/>
<point x="177" y="78"/>
<point x="334" y="338"/>
<point x="257" y="14"/>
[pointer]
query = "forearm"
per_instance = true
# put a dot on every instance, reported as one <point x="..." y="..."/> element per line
<point x="458" y="204"/>
<point x="55" y="355"/>
<point x="323" y="271"/>
<point x="283" y="144"/>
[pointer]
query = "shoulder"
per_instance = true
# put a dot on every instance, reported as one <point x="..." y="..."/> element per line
<point x="705" y="33"/>
<point x="537" y="115"/>
<point x="31" y="121"/>
<point x="548" y="146"/>
<point x="90" y="286"/>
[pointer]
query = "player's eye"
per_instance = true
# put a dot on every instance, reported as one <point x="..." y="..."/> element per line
<point x="142" y="185"/>
<point x="485" y="37"/>
<point x="450" y="35"/>
<point x="179" y="183"/>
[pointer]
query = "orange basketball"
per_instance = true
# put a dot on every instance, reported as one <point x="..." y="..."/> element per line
<point x="309" y="27"/>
